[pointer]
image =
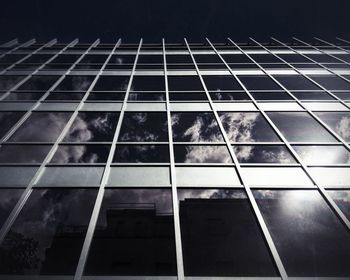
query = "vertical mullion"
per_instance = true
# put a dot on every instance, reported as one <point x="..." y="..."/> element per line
<point x="95" y="213"/>
<point x="14" y="213"/>
<point x="37" y="103"/>
<point x="177" y="226"/>
<point x="321" y="189"/>
<point x="249" y="193"/>
<point x="25" y="44"/>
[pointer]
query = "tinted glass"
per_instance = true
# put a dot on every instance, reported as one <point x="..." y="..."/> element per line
<point x="39" y="83"/>
<point x="149" y="96"/>
<point x="296" y="82"/>
<point x="259" y="83"/>
<point x="41" y="127"/>
<point x="144" y="127"/>
<point x="8" y="199"/>
<point x="148" y="83"/>
<point x="8" y="120"/>
<point x="301" y="224"/>
<point x="134" y="234"/>
<point x="112" y="83"/>
<point x="201" y="154"/>
<point x="229" y="96"/>
<point x="220" y="236"/>
<point x="24" y="96"/>
<point x="247" y="127"/>
<point x="48" y="234"/>
<point x="332" y="82"/>
<point x="24" y="153"/>
<point x="178" y="96"/>
<point x="271" y="95"/>
<point x="8" y="82"/>
<point x="141" y="153"/>
<point x="184" y="83"/>
<point x="78" y="83"/>
<point x="81" y="154"/>
<point x="300" y="127"/>
<point x="92" y="127"/>
<point x="316" y="95"/>
<point x="195" y="127"/>
<point x="339" y="122"/>
<point x="263" y="154"/>
<point x="56" y="95"/>
<point x="221" y="83"/>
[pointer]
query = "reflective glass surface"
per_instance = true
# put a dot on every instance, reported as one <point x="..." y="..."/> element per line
<point x="112" y="83"/>
<point x="141" y="153"/>
<point x="184" y="83"/>
<point x="39" y="83"/>
<point x="259" y="83"/>
<point x="300" y="127"/>
<point x="310" y="239"/>
<point x="134" y="235"/>
<point x="24" y="153"/>
<point x="41" y="127"/>
<point x="339" y="122"/>
<point x="247" y="127"/>
<point x="8" y="199"/>
<point x="220" y="236"/>
<point x="47" y="236"/>
<point x="342" y="199"/>
<point x="263" y="154"/>
<point x="221" y="83"/>
<point x="144" y="127"/>
<point x="201" y="154"/>
<point x="75" y="83"/>
<point x="81" y="154"/>
<point x="195" y="127"/>
<point x="323" y="154"/>
<point x="8" y="120"/>
<point x="92" y="127"/>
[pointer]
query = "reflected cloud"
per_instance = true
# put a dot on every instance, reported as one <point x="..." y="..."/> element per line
<point x="202" y="154"/>
<point x="263" y="154"/>
<point x="184" y="194"/>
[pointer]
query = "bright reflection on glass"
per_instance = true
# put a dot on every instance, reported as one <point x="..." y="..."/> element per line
<point x="247" y="127"/>
<point x="195" y="127"/>
<point x="263" y="154"/>
<point x="220" y="236"/>
<point x="134" y="235"/>
<point x="309" y="237"/>
<point x="323" y="154"/>
<point x="47" y="236"/>
<point x="339" y="122"/>
<point x="300" y="127"/>
<point x="201" y="154"/>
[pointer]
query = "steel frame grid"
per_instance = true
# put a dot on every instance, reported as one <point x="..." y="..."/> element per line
<point x="170" y="148"/>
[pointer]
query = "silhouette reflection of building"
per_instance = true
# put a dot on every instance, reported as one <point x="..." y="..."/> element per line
<point x="135" y="240"/>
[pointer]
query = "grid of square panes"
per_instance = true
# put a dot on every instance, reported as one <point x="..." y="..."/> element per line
<point x="72" y="113"/>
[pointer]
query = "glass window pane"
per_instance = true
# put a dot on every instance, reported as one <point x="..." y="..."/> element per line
<point x="141" y="153"/>
<point x="263" y="154"/>
<point x="39" y="83"/>
<point x="259" y="83"/>
<point x="309" y="237"/>
<point x="92" y="127"/>
<point x="112" y="83"/>
<point x="134" y="234"/>
<point x="144" y="83"/>
<point x="8" y="120"/>
<point x="296" y="82"/>
<point x="41" y="127"/>
<point x="220" y="236"/>
<point x="23" y="153"/>
<point x="323" y="154"/>
<point x="342" y="199"/>
<point x="338" y="122"/>
<point x="149" y="96"/>
<point x="201" y="154"/>
<point x="184" y="83"/>
<point x="247" y="127"/>
<point x="8" y="200"/>
<point x="187" y="96"/>
<point x="106" y="96"/>
<point x="300" y="127"/>
<point x="77" y="83"/>
<point x="48" y="234"/>
<point x="195" y="127"/>
<point x="221" y="83"/>
<point x="229" y="96"/>
<point x="81" y="154"/>
<point x="144" y="127"/>
<point x="7" y="82"/>
<point x="332" y="82"/>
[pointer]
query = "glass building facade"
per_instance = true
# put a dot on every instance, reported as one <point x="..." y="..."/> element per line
<point x="175" y="161"/>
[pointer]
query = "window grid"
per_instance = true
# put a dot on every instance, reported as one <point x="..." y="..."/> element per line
<point x="236" y="166"/>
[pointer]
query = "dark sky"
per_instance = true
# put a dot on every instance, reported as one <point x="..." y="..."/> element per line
<point x="154" y="19"/>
